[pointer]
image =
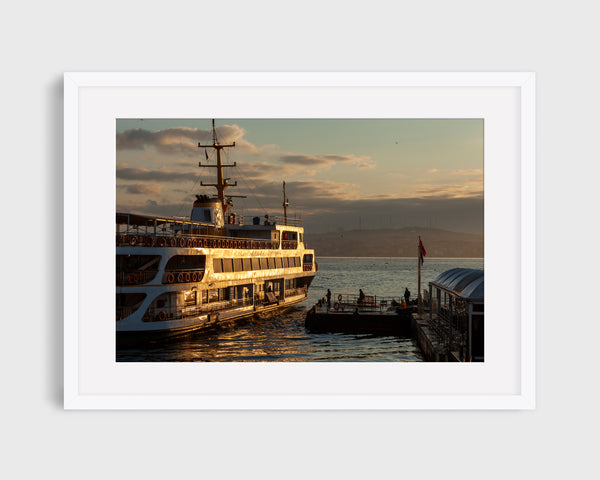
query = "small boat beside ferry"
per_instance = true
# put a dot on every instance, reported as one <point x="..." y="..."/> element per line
<point x="178" y="275"/>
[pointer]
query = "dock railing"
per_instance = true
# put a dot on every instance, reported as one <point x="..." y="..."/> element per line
<point x="351" y="302"/>
<point x="450" y="332"/>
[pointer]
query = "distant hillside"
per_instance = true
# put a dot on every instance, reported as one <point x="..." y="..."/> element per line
<point x="400" y="242"/>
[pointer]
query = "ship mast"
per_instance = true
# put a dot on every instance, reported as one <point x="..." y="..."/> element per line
<point x="285" y="205"/>
<point x="222" y="183"/>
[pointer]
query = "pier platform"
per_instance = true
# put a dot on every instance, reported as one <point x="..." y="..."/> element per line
<point x="382" y="322"/>
<point x="376" y="320"/>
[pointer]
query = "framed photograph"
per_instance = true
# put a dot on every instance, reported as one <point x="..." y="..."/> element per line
<point x="253" y="209"/>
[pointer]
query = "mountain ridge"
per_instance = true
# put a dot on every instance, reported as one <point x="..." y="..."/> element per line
<point x="396" y="242"/>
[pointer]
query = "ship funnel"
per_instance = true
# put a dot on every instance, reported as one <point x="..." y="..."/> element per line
<point x="207" y="210"/>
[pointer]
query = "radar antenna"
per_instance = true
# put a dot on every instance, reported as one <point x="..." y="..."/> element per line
<point x="222" y="183"/>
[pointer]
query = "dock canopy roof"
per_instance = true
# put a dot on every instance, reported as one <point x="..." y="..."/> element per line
<point x="466" y="283"/>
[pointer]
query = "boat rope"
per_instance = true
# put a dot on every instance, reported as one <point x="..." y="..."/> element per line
<point x="186" y="202"/>
<point x="249" y="186"/>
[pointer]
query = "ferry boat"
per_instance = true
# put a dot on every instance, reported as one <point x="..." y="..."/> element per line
<point x="177" y="275"/>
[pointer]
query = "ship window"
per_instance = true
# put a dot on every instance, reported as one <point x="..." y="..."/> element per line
<point x="237" y="264"/>
<point x="128" y="303"/>
<point x="189" y="298"/>
<point x="279" y="262"/>
<point x="207" y="215"/>
<point x="246" y="264"/>
<point x="297" y="261"/>
<point x="130" y="263"/>
<point x="224" y="294"/>
<point x="185" y="262"/>
<point x="255" y="262"/>
<point x="130" y="299"/>
<point x="228" y="264"/>
<point x="136" y="269"/>
<point x="213" y="296"/>
<point x="308" y="258"/>
<point x="217" y="265"/>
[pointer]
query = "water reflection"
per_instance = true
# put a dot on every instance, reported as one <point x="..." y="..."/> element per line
<point x="274" y="339"/>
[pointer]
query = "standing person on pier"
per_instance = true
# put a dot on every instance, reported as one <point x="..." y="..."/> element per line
<point x="406" y="295"/>
<point x="328" y="299"/>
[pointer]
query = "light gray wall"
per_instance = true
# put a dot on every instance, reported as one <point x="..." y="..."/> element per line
<point x="41" y="40"/>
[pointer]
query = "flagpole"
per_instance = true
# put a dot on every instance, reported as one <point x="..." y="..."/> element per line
<point x="419" y="282"/>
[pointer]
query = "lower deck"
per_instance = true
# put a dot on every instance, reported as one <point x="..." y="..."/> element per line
<point x="205" y="320"/>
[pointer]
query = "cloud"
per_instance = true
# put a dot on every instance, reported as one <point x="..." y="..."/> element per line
<point x="327" y="206"/>
<point x="446" y="191"/>
<point x="143" y="189"/>
<point x="143" y="174"/>
<point x="467" y="172"/>
<point x="183" y="140"/>
<point x="326" y="160"/>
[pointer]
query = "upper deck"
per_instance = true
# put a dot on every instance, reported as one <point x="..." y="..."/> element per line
<point x="146" y="230"/>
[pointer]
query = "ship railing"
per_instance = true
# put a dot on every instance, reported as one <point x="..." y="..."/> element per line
<point x="195" y="241"/>
<point x="181" y="312"/>
<point x="293" y="292"/>
<point x="135" y="224"/>
<point x="123" y="312"/>
<point x="289" y="244"/>
<point x="272" y="220"/>
<point x="136" y="277"/>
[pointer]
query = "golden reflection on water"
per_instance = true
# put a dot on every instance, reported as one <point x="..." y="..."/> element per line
<point x="280" y="338"/>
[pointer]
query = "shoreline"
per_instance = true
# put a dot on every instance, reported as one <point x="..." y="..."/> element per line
<point x="414" y="258"/>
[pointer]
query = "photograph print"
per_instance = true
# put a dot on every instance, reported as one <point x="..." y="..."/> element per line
<point x="300" y="240"/>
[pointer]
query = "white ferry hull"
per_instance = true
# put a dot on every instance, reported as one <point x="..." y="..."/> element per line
<point x="156" y="331"/>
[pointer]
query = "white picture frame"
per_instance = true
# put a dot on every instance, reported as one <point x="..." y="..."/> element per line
<point x="92" y="378"/>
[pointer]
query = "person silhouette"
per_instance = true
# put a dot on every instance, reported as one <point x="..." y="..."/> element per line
<point x="361" y="297"/>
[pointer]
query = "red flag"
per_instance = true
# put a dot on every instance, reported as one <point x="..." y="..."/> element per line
<point x="422" y="251"/>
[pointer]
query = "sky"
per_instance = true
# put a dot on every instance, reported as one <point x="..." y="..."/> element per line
<point x="340" y="174"/>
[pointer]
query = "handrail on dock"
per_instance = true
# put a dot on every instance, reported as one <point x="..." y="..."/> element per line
<point x="345" y="302"/>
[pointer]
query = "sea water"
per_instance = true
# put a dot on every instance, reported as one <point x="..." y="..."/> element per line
<point x="283" y="338"/>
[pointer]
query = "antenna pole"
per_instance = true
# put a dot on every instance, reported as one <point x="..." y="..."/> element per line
<point x="285" y="205"/>
<point x="222" y="183"/>
<point x="419" y="310"/>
